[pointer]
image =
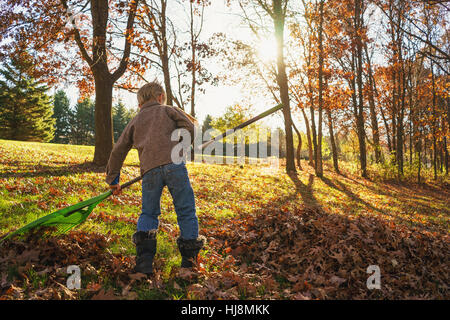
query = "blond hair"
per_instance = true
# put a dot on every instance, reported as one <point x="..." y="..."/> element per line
<point x="150" y="92"/>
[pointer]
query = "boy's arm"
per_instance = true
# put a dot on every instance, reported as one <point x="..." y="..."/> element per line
<point x="183" y="120"/>
<point x="118" y="155"/>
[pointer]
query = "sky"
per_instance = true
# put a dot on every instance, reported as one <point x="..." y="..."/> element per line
<point x="215" y="100"/>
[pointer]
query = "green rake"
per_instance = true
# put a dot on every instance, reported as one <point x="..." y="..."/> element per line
<point x="67" y="218"/>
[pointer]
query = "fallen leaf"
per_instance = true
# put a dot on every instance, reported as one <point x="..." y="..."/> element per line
<point x="176" y="286"/>
<point x="92" y="286"/>
<point x="105" y="295"/>
<point x="137" y="276"/>
<point x="28" y="256"/>
<point x="337" y="280"/>
<point x="185" y="273"/>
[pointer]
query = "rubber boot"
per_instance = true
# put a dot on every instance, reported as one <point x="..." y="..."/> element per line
<point x="189" y="250"/>
<point x="145" y="242"/>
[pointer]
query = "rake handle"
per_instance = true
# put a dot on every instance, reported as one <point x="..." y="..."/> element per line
<point x="242" y="125"/>
<point x="223" y="135"/>
<point x="129" y="183"/>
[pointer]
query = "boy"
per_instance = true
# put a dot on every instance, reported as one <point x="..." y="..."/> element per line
<point x="150" y="132"/>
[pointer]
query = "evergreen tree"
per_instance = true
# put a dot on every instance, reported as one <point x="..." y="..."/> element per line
<point x="121" y="117"/>
<point x="25" y="108"/>
<point x="82" y="122"/>
<point x="62" y="116"/>
<point x="207" y="124"/>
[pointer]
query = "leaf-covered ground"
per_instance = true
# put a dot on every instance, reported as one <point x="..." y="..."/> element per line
<point x="270" y="235"/>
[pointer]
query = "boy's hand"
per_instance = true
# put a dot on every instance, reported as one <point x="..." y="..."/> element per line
<point x="116" y="189"/>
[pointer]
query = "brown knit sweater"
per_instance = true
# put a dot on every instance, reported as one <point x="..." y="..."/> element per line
<point x="150" y="133"/>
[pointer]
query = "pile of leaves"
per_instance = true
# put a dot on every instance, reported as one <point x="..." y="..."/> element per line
<point x="37" y="267"/>
<point x="308" y="254"/>
<point x="274" y="254"/>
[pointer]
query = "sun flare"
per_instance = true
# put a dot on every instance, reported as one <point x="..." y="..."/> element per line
<point x="267" y="50"/>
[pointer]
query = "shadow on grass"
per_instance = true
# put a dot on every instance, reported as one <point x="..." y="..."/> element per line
<point x="29" y="171"/>
<point x="305" y="190"/>
<point x="405" y="201"/>
<point x="380" y="186"/>
<point x="420" y="197"/>
<point x="338" y="185"/>
<point x="408" y="199"/>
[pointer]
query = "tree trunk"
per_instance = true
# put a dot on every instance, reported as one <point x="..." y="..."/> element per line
<point x="373" y="114"/>
<point x="308" y="136"/>
<point x="165" y="54"/>
<point x="168" y="86"/>
<point x="193" y="83"/>
<point x="400" y="129"/>
<point x="313" y="121"/>
<point x="299" y="146"/>
<point x="386" y="125"/>
<point x="419" y="165"/>
<point x="104" y="135"/>
<point x="159" y="33"/>
<point x="193" y="61"/>
<point x="319" y="165"/>
<point x="434" y="123"/>
<point x="359" y="120"/>
<point x="314" y="136"/>
<point x="279" y="20"/>
<point x="411" y="128"/>
<point x="360" y="111"/>
<point x="333" y="141"/>
<point x="446" y="155"/>
<point x="434" y="157"/>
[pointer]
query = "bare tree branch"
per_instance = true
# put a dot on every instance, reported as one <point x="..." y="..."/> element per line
<point x="126" y="54"/>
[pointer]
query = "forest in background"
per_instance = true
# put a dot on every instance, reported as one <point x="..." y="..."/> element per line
<point x="365" y="79"/>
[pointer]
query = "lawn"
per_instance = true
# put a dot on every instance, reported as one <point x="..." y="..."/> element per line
<point x="270" y="235"/>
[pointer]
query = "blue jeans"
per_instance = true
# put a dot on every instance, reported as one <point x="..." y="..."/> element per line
<point x="175" y="177"/>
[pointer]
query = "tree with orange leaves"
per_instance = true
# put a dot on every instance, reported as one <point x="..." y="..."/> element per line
<point x="56" y="31"/>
